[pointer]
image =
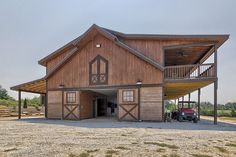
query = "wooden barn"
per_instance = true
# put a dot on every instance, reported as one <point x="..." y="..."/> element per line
<point x="128" y="76"/>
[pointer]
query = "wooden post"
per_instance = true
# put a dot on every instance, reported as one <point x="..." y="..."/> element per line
<point x="189" y="98"/>
<point x="139" y="88"/>
<point x="46" y="105"/>
<point x="215" y="88"/>
<point x="198" y="103"/>
<point x="62" y="102"/>
<point x="19" y="104"/>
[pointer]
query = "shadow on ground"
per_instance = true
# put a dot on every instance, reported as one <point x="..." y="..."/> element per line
<point x="113" y="123"/>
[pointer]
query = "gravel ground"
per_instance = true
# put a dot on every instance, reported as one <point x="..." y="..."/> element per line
<point x="37" y="137"/>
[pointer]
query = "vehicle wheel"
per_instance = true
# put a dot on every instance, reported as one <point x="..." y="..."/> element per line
<point x="180" y="118"/>
<point x="195" y="120"/>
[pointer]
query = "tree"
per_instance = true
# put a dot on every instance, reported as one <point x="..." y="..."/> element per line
<point x="25" y="103"/>
<point x="3" y="93"/>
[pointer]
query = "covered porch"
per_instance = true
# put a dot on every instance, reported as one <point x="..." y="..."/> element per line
<point x="37" y="87"/>
<point x="187" y="71"/>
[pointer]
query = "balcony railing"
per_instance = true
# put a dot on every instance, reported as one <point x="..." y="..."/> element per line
<point x="195" y="71"/>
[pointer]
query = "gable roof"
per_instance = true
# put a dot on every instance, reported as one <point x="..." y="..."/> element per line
<point x="81" y="41"/>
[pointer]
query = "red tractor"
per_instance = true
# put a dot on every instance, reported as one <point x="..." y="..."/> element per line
<point x="186" y="111"/>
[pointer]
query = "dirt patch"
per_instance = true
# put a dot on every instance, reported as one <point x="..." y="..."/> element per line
<point x="101" y="138"/>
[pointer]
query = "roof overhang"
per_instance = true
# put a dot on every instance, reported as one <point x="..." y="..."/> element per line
<point x="36" y="86"/>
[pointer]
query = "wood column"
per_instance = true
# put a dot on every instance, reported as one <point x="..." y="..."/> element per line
<point x="189" y="98"/>
<point x="215" y="87"/>
<point x="46" y="105"/>
<point x="198" y="103"/>
<point x="62" y="103"/>
<point x="19" y="104"/>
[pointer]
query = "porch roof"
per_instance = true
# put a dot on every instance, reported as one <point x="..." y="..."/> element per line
<point x="37" y="86"/>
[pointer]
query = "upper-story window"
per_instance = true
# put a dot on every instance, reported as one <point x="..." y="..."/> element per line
<point x="71" y="97"/>
<point x="128" y="96"/>
<point x="98" y="71"/>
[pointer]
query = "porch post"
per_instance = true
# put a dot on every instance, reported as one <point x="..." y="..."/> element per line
<point x="46" y="105"/>
<point x="198" y="103"/>
<point x="189" y="98"/>
<point x="215" y="87"/>
<point x="19" y="104"/>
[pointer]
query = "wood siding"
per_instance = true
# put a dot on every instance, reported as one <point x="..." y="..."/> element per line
<point x="151" y="103"/>
<point x="55" y="104"/>
<point x="124" y="67"/>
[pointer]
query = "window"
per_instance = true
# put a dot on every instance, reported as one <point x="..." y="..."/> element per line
<point x="71" y="97"/>
<point x="128" y="96"/>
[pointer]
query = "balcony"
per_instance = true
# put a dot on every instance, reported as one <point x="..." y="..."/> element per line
<point x="189" y="72"/>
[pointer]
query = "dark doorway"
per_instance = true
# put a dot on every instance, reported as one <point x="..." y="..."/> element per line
<point x="101" y="107"/>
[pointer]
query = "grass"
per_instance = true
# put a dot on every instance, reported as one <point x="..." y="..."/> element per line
<point x="160" y="150"/>
<point x="84" y="155"/>
<point x="110" y="152"/>
<point x="200" y="155"/>
<point x="221" y="149"/>
<point x="80" y="155"/>
<point x="174" y="155"/>
<point x="162" y="145"/>
<point x="122" y="148"/>
<point x="11" y="149"/>
<point x="92" y="151"/>
<point x="230" y="144"/>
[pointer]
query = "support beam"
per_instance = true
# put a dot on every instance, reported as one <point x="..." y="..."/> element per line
<point x="215" y="88"/>
<point x="19" y="104"/>
<point x="189" y="98"/>
<point x="198" y="103"/>
<point x="46" y="106"/>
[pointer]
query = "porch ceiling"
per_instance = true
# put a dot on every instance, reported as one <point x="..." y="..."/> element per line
<point x="175" y="90"/>
<point x="36" y="86"/>
<point x="186" y="54"/>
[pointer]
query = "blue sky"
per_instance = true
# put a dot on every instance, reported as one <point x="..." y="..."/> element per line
<point x="31" y="29"/>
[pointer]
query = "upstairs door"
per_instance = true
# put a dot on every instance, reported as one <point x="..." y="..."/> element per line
<point x="98" y="71"/>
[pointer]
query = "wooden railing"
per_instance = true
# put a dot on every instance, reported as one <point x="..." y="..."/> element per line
<point x="195" y="71"/>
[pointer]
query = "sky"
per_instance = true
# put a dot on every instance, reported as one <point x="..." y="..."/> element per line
<point x="32" y="29"/>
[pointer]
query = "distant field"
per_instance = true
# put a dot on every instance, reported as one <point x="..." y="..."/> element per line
<point x="222" y="119"/>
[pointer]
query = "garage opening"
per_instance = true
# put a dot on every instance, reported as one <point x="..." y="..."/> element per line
<point x="105" y="103"/>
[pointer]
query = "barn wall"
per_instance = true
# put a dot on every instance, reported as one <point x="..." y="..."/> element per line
<point x="55" y="104"/>
<point x="123" y="67"/>
<point x="151" y="103"/>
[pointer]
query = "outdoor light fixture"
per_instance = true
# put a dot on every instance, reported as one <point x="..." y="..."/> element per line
<point x="138" y="82"/>
<point x="98" y="45"/>
<point x="61" y="85"/>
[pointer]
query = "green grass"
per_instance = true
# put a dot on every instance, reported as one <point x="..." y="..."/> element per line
<point x="122" y="148"/>
<point x="162" y="145"/>
<point x="230" y="144"/>
<point x="92" y="151"/>
<point x="221" y="149"/>
<point x="84" y="155"/>
<point x="160" y="150"/>
<point x="200" y="155"/>
<point x="11" y="149"/>
<point x="111" y="152"/>
<point x="174" y="155"/>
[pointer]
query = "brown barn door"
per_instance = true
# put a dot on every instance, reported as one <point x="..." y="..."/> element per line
<point x="70" y="106"/>
<point x="98" y="71"/>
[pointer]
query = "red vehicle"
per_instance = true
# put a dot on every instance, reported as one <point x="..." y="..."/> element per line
<point x="186" y="111"/>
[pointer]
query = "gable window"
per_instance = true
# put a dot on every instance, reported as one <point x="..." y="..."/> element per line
<point x="128" y="96"/>
<point x="71" y="97"/>
<point x="98" y="71"/>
